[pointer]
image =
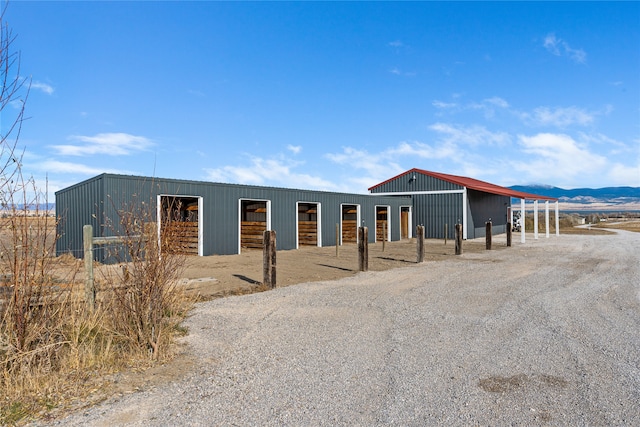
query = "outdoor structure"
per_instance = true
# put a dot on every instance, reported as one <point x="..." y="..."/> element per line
<point x="439" y="201"/>
<point x="220" y="219"/>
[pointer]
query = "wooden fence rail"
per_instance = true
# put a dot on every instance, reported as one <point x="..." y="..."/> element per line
<point x="88" y="242"/>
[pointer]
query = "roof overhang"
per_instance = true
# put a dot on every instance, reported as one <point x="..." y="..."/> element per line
<point x="471" y="184"/>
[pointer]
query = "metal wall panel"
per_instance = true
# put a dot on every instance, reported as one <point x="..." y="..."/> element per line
<point x="484" y="206"/>
<point x="97" y="201"/>
<point x="411" y="181"/>
<point x="435" y="210"/>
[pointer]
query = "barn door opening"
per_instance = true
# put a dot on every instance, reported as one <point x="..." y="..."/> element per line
<point x="349" y="223"/>
<point x="405" y="222"/>
<point x="254" y="221"/>
<point x="382" y="224"/>
<point x="308" y="224"/>
<point x="179" y="219"/>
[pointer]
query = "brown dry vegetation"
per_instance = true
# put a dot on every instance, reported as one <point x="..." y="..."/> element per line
<point x="55" y="349"/>
<point x="628" y="225"/>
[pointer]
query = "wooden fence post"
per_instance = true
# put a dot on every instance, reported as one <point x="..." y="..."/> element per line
<point x="384" y="234"/>
<point x="488" y="234"/>
<point x="363" y="249"/>
<point x="458" y="239"/>
<point x="509" y="234"/>
<point x="269" y="259"/>
<point x="89" y="284"/>
<point x="446" y="231"/>
<point x="420" y="243"/>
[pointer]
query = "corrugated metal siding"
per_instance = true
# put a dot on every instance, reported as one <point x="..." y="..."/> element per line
<point x="220" y="211"/>
<point x="435" y="210"/>
<point x="482" y="207"/>
<point x="406" y="183"/>
<point x="75" y="207"/>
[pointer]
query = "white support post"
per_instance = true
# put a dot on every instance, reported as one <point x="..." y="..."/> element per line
<point x="557" y="219"/>
<point x="535" y="219"/>
<point x="464" y="214"/>
<point x="522" y="220"/>
<point x="546" y="218"/>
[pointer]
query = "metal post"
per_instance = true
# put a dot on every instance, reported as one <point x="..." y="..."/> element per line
<point x="535" y="219"/>
<point x="546" y="219"/>
<point x="523" y="214"/>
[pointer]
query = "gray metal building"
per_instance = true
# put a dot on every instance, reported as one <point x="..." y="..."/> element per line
<point x="227" y="218"/>
<point x="440" y="201"/>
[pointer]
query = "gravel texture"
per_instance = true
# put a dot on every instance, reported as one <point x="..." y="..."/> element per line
<point x="545" y="333"/>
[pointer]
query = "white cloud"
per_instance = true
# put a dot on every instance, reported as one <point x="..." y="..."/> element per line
<point x="558" y="158"/>
<point x="396" y="43"/>
<point x="295" y="149"/>
<point x="54" y="166"/>
<point x="559" y="47"/>
<point x="497" y="101"/>
<point x="444" y="105"/>
<point x="487" y="106"/>
<point x="270" y="172"/>
<point x="48" y="89"/>
<point x="623" y="175"/>
<point x="471" y="135"/>
<point x="111" y="144"/>
<point x="399" y="72"/>
<point x="422" y="150"/>
<point x="561" y="117"/>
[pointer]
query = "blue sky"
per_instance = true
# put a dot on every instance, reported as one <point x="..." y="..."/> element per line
<point x="331" y="96"/>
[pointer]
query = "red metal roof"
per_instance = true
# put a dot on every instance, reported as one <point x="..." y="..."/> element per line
<point x="473" y="184"/>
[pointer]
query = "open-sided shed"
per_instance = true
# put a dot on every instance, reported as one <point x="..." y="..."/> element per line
<point x="441" y="200"/>
<point x="216" y="218"/>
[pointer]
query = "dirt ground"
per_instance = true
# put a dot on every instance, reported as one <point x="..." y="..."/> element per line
<point x="222" y="275"/>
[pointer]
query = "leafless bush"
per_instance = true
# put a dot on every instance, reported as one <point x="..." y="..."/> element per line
<point x="145" y="295"/>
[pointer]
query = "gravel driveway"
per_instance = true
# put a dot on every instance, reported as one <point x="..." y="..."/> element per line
<point x="545" y="333"/>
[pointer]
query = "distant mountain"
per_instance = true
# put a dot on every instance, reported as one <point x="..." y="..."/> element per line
<point x="608" y="195"/>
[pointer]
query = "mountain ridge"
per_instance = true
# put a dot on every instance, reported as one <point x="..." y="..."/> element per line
<point x="607" y="195"/>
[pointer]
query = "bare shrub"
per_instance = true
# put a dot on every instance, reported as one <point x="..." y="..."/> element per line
<point x="145" y="293"/>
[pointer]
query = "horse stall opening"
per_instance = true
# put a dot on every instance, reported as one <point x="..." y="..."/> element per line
<point x="350" y="223"/>
<point x="382" y="223"/>
<point x="254" y="221"/>
<point x="308" y="224"/>
<point x="179" y="219"/>
<point x="405" y="222"/>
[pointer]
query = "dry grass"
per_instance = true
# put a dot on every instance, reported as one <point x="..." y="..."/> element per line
<point x="55" y="351"/>
<point x="628" y="225"/>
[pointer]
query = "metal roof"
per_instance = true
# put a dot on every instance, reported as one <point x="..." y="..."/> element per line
<point x="473" y="184"/>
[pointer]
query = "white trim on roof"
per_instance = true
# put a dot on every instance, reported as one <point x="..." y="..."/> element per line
<point x="411" y="193"/>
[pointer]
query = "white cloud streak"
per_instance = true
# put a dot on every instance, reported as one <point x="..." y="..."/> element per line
<point x="55" y="166"/>
<point x="559" y="47"/>
<point x="48" y="89"/>
<point x="470" y="135"/>
<point x="295" y="149"/>
<point x="561" y="117"/>
<point x="111" y="144"/>
<point x="271" y="172"/>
